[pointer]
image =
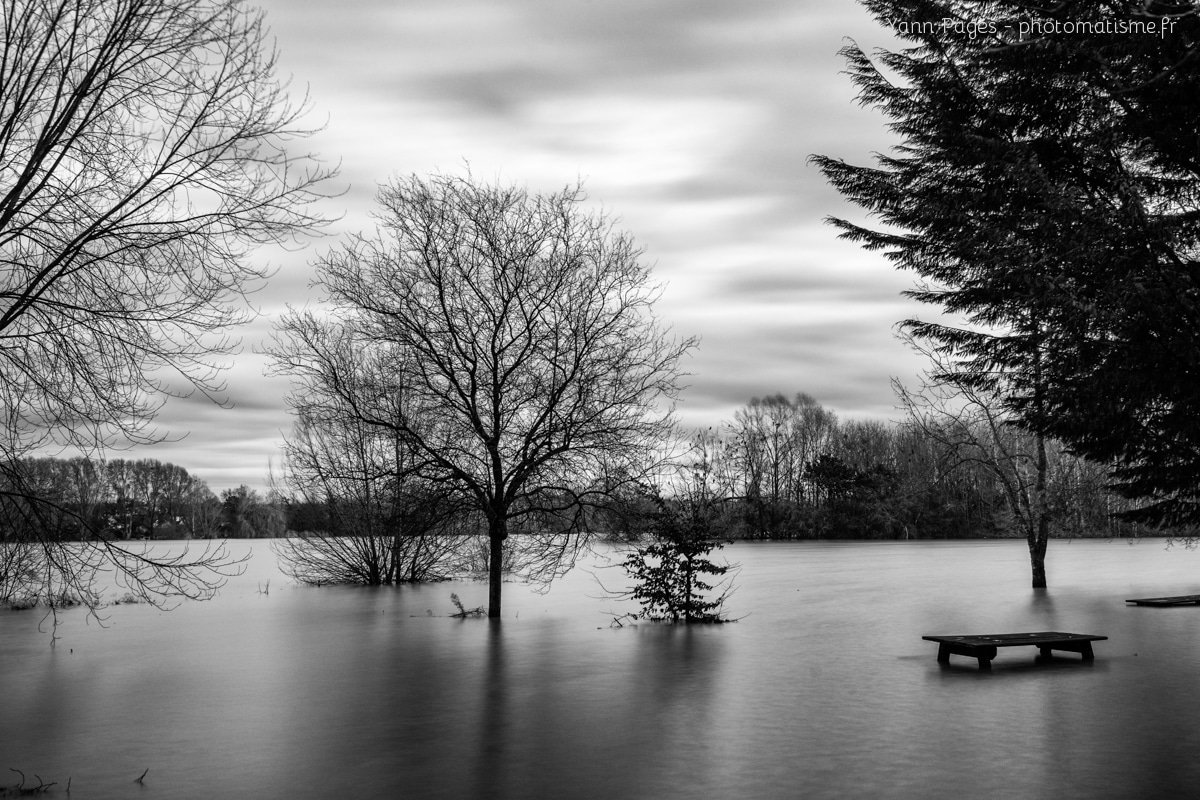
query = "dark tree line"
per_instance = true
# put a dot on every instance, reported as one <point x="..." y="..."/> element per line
<point x="120" y="499"/>
<point x="63" y="522"/>
<point x="787" y="468"/>
<point x="123" y="499"/>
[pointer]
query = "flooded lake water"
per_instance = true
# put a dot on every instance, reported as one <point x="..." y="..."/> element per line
<point x="824" y="688"/>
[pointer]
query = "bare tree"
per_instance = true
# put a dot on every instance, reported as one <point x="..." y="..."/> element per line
<point x="376" y="523"/>
<point x="520" y="329"/>
<point x="971" y="429"/>
<point x="143" y="154"/>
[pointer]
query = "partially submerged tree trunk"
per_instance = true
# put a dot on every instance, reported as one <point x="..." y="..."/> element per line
<point x="1037" y="556"/>
<point x="1039" y="535"/>
<point x="497" y="533"/>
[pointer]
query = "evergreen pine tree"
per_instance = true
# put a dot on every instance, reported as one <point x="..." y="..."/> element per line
<point x="1045" y="191"/>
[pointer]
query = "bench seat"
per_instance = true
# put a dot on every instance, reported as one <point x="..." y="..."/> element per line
<point x="983" y="647"/>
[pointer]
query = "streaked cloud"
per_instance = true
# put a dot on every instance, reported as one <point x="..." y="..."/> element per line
<point x="689" y="120"/>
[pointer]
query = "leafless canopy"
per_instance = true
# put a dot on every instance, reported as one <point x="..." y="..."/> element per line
<point x="518" y="329"/>
<point x="143" y="154"/>
<point x="368" y="520"/>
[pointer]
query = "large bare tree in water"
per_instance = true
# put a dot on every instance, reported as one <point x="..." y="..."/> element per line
<point x="520" y="329"/>
<point x="143" y="154"/>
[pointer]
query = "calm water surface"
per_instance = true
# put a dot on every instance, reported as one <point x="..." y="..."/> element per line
<point x="823" y="689"/>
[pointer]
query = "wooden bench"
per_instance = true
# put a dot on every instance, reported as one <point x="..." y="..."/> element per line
<point x="983" y="647"/>
<point x="1182" y="600"/>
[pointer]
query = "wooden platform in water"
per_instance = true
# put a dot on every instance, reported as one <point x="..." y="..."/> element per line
<point x="1181" y="600"/>
<point x="984" y="646"/>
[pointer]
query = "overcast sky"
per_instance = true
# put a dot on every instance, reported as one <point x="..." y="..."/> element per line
<point x="690" y="120"/>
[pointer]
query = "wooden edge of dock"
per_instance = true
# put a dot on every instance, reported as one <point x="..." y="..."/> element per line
<point x="1180" y="600"/>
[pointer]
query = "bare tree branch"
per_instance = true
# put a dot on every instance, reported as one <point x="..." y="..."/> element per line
<point x="144" y="154"/>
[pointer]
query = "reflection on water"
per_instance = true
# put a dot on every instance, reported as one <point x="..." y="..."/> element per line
<point x="823" y="689"/>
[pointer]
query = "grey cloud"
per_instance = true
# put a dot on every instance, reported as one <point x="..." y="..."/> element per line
<point x="791" y="354"/>
<point x="782" y="305"/>
<point x="806" y="285"/>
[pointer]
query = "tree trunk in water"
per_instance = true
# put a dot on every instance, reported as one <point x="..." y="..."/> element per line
<point x="687" y="589"/>
<point x="497" y="533"/>
<point x="1037" y="558"/>
<point x="1040" y="536"/>
<point x="395" y="571"/>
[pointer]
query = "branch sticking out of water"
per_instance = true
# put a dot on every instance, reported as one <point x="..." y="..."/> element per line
<point x="21" y="790"/>
<point x="463" y="613"/>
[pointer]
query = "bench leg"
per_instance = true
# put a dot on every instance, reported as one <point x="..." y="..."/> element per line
<point x="1083" y="648"/>
<point x="1046" y="652"/>
<point x="983" y="654"/>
